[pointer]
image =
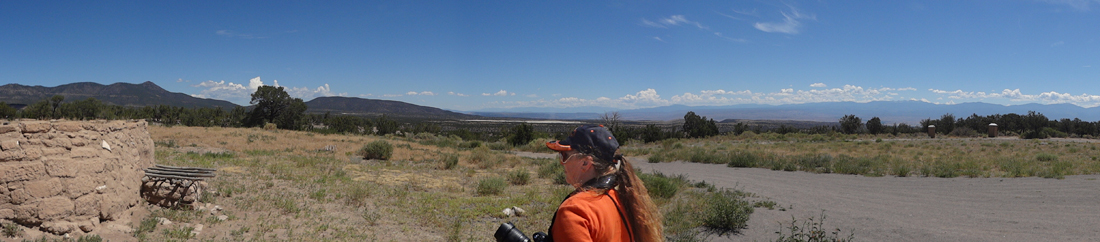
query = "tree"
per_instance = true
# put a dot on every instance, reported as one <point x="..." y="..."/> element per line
<point x="385" y="126"/>
<point x="946" y="124"/>
<point x="874" y="126"/>
<point x="652" y="133"/>
<point x="699" y="127"/>
<point x="522" y="134"/>
<point x="849" y="124"/>
<point x="613" y="122"/>
<point x="274" y="105"/>
<point x="7" y="112"/>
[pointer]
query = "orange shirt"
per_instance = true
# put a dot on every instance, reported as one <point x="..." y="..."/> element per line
<point x="590" y="216"/>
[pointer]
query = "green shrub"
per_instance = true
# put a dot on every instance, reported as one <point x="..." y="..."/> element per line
<point x="1046" y="157"/>
<point x="11" y="230"/>
<point x="450" y="161"/>
<point x="519" y="177"/>
<point x="850" y="165"/>
<point x="901" y="170"/>
<point x="657" y="158"/>
<point x="726" y="212"/>
<point x="742" y="159"/>
<point x="180" y="233"/>
<point x="148" y="224"/>
<point x="660" y="185"/>
<point x="491" y="186"/>
<point x="811" y="231"/>
<point x="90" y="238"/>
<point x="815" y="163"/>
<point x="380" y="150"/>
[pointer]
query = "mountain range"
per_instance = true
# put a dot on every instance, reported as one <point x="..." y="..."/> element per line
<point x="911" y="112"/>
<point x="122" y="94"/>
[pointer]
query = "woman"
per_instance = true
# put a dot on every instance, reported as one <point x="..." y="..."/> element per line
<point x="610" y="203"/>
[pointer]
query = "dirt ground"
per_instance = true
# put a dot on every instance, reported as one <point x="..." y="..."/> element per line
<point x="912" y="208"/>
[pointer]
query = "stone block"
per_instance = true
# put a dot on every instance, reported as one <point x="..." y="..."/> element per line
<point x="7" y="213"/>
<point x="20" y="196"/>
<point x="35" y="126"/>
<point x="60" y="167"/>
<point x="43" y="188"/>
<point x="76" y="187"/>
<point x="53" y="151"/>
<point x="8" y="128"/>
<point x="32" y="154"/>
<point x="54" y="207"/>
<point x="21" y="171"/>
<point x="9" y="145"/>
<point x="85" y="152"/>
<point x="12" y="155"/>
<point x="87" y="205"/>
<point x="71" y="126"/>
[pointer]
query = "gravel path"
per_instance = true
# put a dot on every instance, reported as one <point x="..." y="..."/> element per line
<point x="909" y="208"/>
<point x="912" y="208"/>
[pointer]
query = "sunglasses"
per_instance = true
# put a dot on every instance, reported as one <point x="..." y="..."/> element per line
<point x="565" y="156"/>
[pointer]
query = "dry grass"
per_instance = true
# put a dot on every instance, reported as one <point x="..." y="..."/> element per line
<point x="888" y="155"/>
<point x="279" y="185"/>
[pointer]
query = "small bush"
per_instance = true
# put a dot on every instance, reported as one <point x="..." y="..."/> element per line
<point x="491" y="186"/>
<point x="90" y="238"/>
<point x="180" y="233"/>
<point x="11" y="230"/>
<point x="270" y="126"/>
<point x="660" y="185"/>
<point x="380" y="150"/>
<point x="1046" y="157"/>
<point x="964" y="132"/>
<point x="726" y="212"/>
<point x="811" y="231"/>
<point x="657" y="158"/>
<point x="519" y="177"/>
<point x="148" y="224"/>
<point x="742" y="159"/>
<point x="901" y="170"/>
<point x="450" y="161"/>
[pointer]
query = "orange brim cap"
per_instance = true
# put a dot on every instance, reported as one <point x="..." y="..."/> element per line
<point x="555" y="145"/>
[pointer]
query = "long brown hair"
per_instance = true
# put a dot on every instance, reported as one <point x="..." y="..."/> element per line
<point x="641" y="213"/>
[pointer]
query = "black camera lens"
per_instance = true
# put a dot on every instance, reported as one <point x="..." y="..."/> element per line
<point x="509" y="233"/>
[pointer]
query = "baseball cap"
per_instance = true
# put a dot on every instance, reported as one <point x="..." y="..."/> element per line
<point x="594" y="140"/>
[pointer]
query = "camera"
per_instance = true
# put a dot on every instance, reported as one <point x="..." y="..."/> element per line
<point x="507" y="232"/>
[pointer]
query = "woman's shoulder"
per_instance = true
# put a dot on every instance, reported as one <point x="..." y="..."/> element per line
<point x="591" y="198"/>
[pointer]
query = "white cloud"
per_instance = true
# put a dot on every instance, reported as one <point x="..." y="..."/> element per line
<point x="650" y="98"/>
<point x="817" y="85"/>
<point x="500" y="93"/>
<point x="238" y="93"/>
<point x="674" y="20"/>
<point x="789" y="25"/>
<point x="424" y="93"/>
<point x="1079" y="5"/>
<point x="1015" y="95"/>
<point x="457" y="94"/>
<point x="232" y="34"/>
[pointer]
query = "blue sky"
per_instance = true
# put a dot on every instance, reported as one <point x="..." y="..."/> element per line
<point x="471" y="55"/>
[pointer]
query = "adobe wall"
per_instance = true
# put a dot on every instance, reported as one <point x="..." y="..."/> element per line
<point x="61" y="176"/>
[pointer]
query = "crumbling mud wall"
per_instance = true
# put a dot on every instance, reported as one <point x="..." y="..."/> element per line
<point x="64" y="176"/>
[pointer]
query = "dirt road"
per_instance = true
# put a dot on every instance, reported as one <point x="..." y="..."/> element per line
<point x="909" y="208"/>
<point x="913" y="208"/>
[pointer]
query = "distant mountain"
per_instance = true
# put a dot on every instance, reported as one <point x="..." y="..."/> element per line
<point x="910" y="112"/>
<point x="123" y="94"/>
<point x="374" y="107"/>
